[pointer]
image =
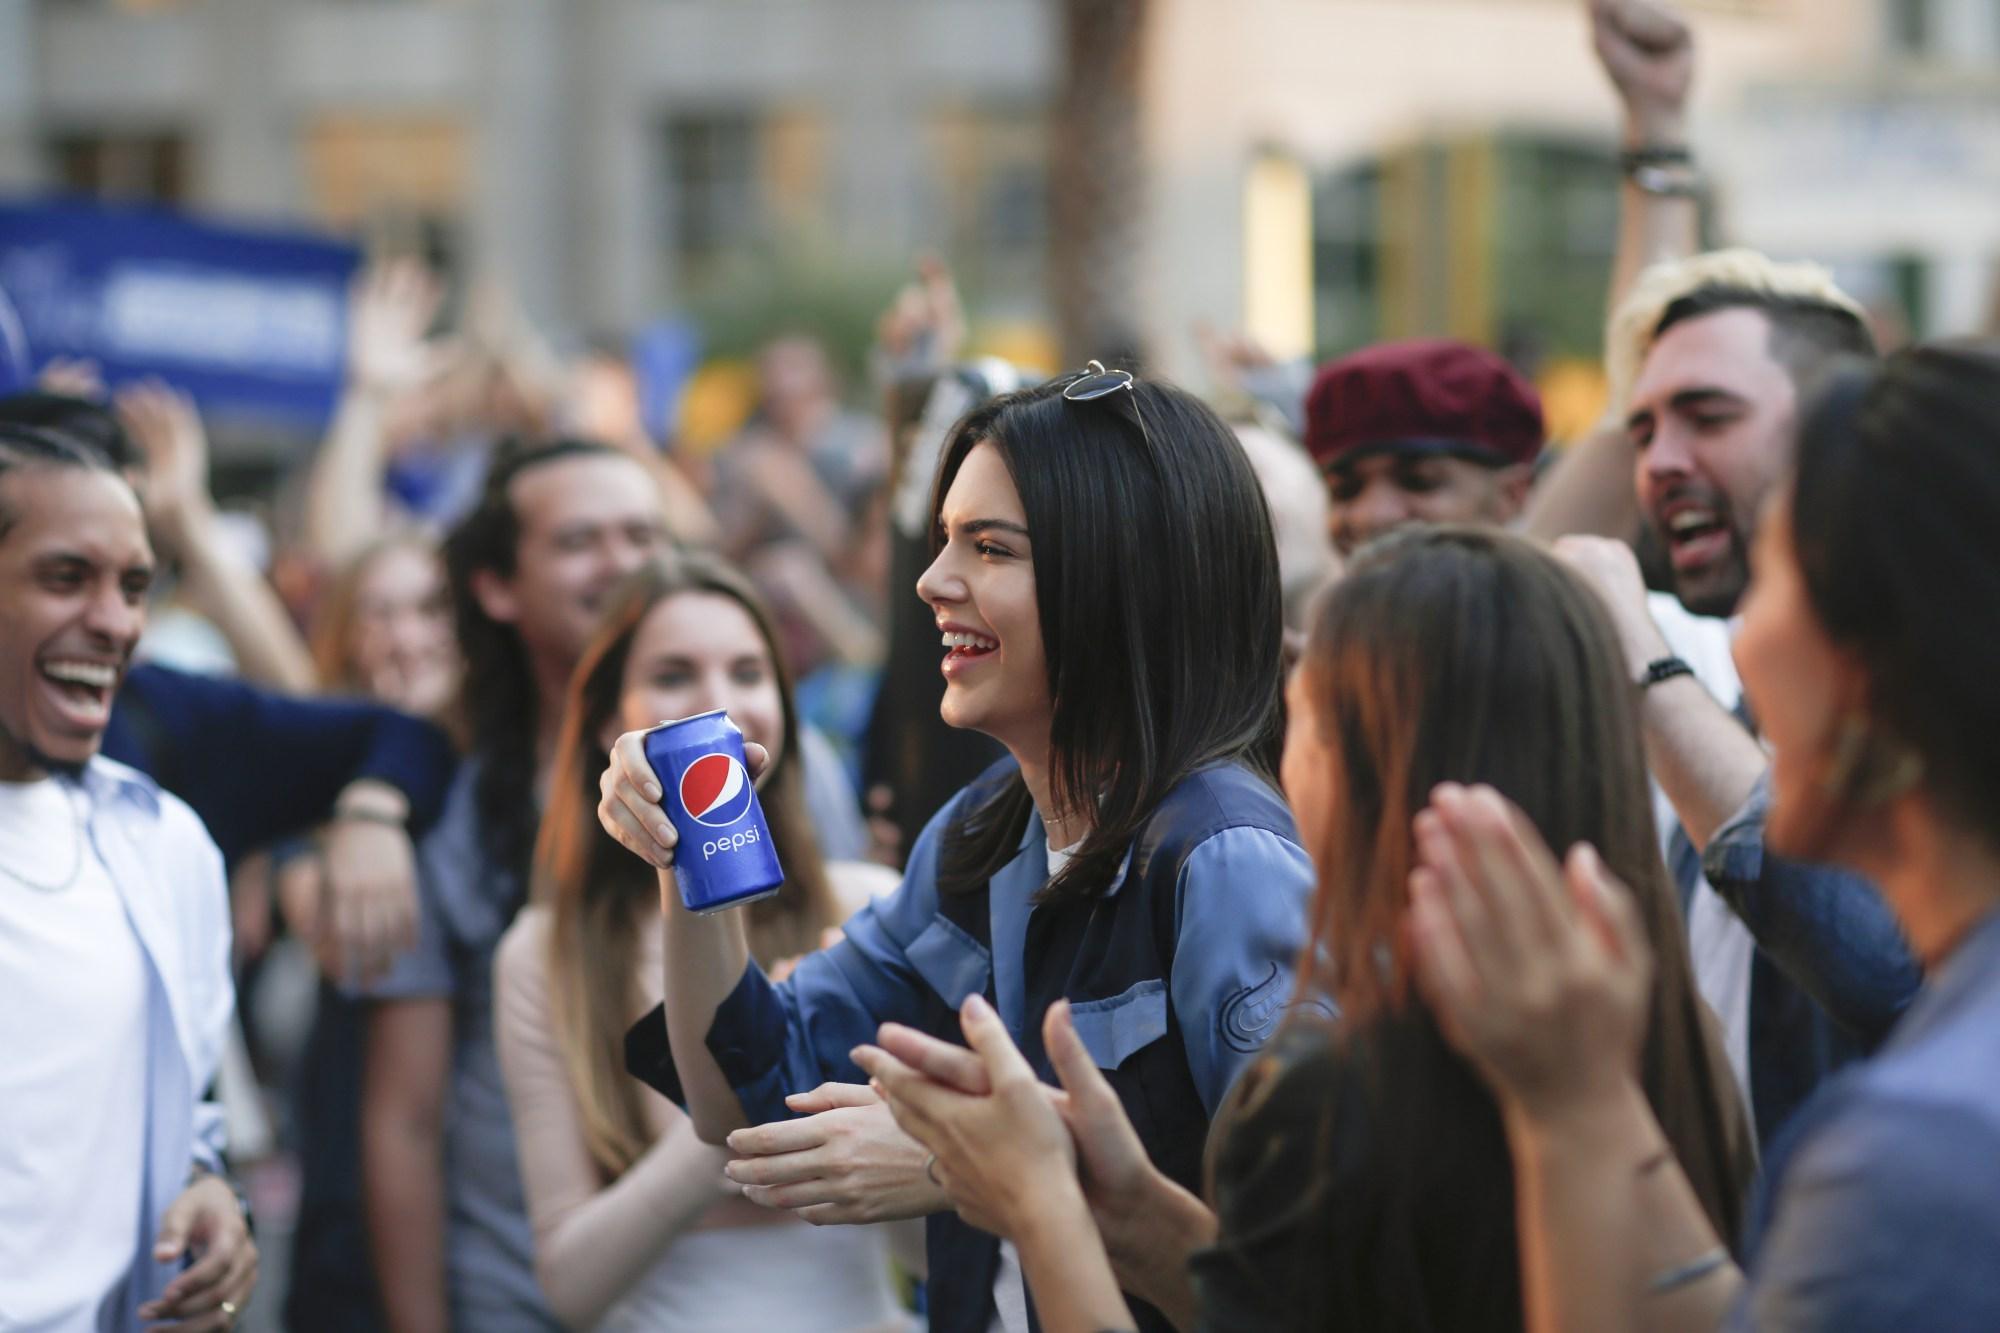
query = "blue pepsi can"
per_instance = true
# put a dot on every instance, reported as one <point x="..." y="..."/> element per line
<point x="725" y="857"/>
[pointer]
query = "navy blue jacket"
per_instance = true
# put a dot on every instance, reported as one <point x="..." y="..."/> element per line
<point x="258" y="766"/>
<point x="1176" y="973"/>
<point x="1832" y="973"/>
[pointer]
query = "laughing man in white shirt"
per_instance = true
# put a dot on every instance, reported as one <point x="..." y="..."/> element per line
<point x="115" y="992"/>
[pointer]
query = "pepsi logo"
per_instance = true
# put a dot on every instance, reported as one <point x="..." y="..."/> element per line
<point x="715" y="790"/>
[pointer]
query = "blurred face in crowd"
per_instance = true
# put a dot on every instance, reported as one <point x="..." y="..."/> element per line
<point x="797" y="383"/>
<point x="402" y="645"/>
<point x="1711" y="416"/>
<point x="696" y="651"/>
<point x="1800" y="686"/>
<point x="74" y="572"/>
<point x="1378" y="492"/>
<point x="981" y="589"/>
<point x="586" y="521"/>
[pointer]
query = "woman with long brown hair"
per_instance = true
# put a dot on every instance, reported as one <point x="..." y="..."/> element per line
<point x="632" y="1226"/>
<point x="383" y="630"/>
<point x="1358" y="1176"/>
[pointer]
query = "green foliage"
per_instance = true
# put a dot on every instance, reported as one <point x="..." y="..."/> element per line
<point x="796" y="285"/>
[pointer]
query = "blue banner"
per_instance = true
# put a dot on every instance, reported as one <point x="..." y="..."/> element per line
<point x="252" y="323"/>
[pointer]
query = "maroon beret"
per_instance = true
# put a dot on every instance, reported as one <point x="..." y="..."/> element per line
<point x="1430" y="396"/>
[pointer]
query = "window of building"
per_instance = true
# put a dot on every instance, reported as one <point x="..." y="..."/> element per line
<point x="399" y="180"/>
<point x="1910" y="26"/>
<point x="714" y="199"/>
<point x="986" y="200"/>
<point x="1347" y="269"/>
<point x="135" y="168"/>
<point x="1502" y="241"/>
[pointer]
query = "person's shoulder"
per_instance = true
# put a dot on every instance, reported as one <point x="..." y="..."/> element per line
<point x="855" y="884"/>
<point x="520" y="963"/>
<point x="1883" y="1168"/>
<point x="130" y="790"/>
<point x="1223" y="795"/>
<point x="527" y="936"/>
<point x="1221" y="799"/>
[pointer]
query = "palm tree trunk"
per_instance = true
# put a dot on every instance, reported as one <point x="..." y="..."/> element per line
<point x="1097" y="180"/>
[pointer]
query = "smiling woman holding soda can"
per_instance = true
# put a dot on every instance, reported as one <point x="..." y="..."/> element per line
<point x="635" y="1225"/>
<point x="1106" y="590"/>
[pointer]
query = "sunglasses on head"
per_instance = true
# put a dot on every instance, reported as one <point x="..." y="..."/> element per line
<point x="1114" y="389"/>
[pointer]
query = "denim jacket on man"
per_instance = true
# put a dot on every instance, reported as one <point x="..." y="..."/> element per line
<point x="1832" y="972"/>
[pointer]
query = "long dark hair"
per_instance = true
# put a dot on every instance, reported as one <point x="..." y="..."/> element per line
<point x="596" y="889"/>
<point x="1156" y="583"/>
<point x="501" y="704"/>
<point x="1894" y="508"/>
<point x="1466" y="655"/>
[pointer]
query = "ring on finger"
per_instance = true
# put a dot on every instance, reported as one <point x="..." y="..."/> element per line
<point x="228" y="1309"/>
<point x="930" y="1170"/>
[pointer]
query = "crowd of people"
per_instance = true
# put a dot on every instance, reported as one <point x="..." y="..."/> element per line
<point x="1477" y="886"/>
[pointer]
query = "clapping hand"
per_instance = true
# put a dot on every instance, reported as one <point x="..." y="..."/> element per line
<point x="1538" y="972"/>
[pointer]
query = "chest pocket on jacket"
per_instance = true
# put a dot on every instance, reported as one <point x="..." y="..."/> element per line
<point x="950" y="961"/>
<point x="1113" y="1029"/>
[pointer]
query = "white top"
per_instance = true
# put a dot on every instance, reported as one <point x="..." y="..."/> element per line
<point x="793" y="1276"/>
<point x="73" y="997"/>
<point x="1719" y="944"/>
<point x="671" y="1246"/>
<point x="115" y="1000"/>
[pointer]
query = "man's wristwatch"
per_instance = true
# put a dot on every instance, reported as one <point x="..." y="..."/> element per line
<point x="1664" y="170"/>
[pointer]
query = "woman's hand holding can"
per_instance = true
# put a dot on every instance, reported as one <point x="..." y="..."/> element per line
<point x="629" y="805"/>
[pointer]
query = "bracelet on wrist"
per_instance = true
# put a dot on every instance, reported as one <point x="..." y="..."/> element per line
<point x="367" y="814"/>
<point x="1662" y="668"/>
<point x="1664" y="170"/>
<point x="1682" y="1275"/>
<point x="1655" y="155"/>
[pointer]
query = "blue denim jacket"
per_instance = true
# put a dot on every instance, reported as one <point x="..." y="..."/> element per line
<point x="1881" y="1206"/>
<point x="1176" y="974"/>
<point x="1832" y="974"/>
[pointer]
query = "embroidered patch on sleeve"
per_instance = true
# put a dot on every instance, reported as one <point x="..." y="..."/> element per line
<point x="1248" y="1017"/>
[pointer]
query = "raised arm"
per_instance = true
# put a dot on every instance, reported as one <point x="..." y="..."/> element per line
<point x="389" y="310"/>
<point x="180" y="511"/>
<point x="1704" y="759"/>
<point x="1647" y="52"/>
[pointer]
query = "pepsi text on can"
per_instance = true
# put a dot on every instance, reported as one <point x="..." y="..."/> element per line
<point x="725" y="857"/>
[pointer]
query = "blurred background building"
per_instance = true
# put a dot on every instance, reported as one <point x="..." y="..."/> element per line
<point x="1321" y="172"/>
